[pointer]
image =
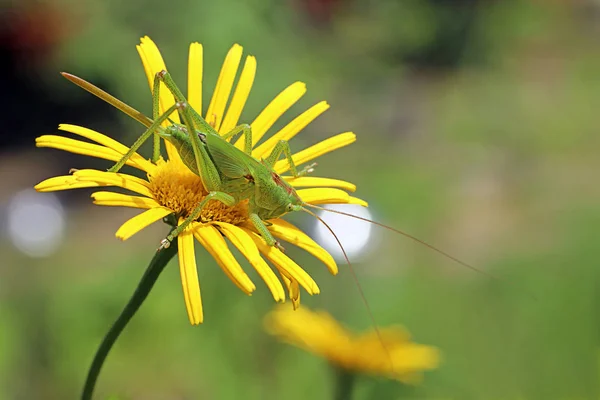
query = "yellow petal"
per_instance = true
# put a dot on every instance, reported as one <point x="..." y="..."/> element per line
<point x="137" y="160"/>
<point x="238" y="101"/>
<point x="153" y="63"/>
<point x="309" y="181"/>
<point x="211" y="239"/>
<point x="279" y="105"/>
<point x="125" y="181"/>
<point x="356" y="200"/>
<point x="415" y="356"/>
<point x="140" y="221"/>
<point x="323" y="196"/>
<point x="312" y="330"/>
<point x="291" y="129"/>
<point x="195" y="72"/>
<point x="317" y="150"/>
<point x="79" y="147"/>
<point x="189" y="277"/>
<point x="146" y="64"/>
<point x="284" y="263"/>
<point x="293" y="289"/>
<point x="214" y="114"/>
<point x="123" y="200"/>
<point x="246" y="246"/>
<point x="288" y="232"/>
<point x="328" y="196"/>
<point x="62" y="183"/>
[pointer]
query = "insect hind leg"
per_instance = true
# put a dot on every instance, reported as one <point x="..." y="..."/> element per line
<point x="204" y="166"/>
<point x="165" y="77"/>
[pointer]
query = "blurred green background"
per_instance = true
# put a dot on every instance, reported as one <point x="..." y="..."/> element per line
<point x="477" y="131"/>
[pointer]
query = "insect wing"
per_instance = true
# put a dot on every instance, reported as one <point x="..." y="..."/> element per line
<point x="230" y="160"/>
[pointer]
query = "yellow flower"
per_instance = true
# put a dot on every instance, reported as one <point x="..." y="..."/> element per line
<point x="172" y="189"/>
<point x="389" y="354"/>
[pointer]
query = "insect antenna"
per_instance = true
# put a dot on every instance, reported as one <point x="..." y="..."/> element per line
<point x="355" y="278"/>
<point x="464" y="264"/>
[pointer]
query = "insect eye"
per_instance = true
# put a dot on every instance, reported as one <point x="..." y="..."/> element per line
<point x="289" y="207"/>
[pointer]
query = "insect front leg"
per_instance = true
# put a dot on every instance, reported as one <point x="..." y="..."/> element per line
<point x="155" y="115"/>
<point x="156" y="125"/>
<point x="246" y="132"/>
<point x="260" y="226"/>
<point x="208" y="172"/>
<point x="224" y="198"/>
<point x="284" y="147"/>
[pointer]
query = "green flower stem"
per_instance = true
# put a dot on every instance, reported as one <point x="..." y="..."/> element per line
<point x="157" y="265"/>
<point x="344" y="385"/>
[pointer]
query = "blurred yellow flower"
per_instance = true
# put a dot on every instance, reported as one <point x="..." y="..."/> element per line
<point x="172" y="190"/>
<point x="390" y="354"/>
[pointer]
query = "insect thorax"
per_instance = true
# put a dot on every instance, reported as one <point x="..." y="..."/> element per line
<point x="274" y="196"/>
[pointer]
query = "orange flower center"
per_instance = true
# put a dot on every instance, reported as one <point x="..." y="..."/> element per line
<point x="174" y="186"/>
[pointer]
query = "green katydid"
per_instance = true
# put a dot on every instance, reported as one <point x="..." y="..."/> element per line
<point x="229" y="174"/>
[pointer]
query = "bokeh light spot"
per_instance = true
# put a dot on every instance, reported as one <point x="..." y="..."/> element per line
<point x="354" y="234"/>
<point x="36" y="222"/>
